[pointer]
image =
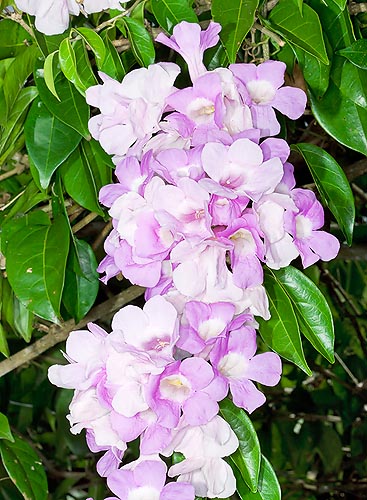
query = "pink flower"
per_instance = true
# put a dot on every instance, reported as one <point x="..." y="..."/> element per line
<point x="190" y="42"/>
<point x="239" y="170"/>
<point x="147" y="482"/>
<point x="261" y="91"/>
<point x="130" y="110"/>
<point x="304" y="226"/>
<point x="203" y="324"/>
<point x="184" y="386"/>
<point x="236" y="362"/>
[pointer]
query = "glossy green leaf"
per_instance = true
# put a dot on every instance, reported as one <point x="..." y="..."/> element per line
<point x="50" y="72"/>
<point x="332" y="185"/>
<point x="24" y="468"/>
<point x="70" y="67"/>
<point x="340" y="3"/>
<point x="30" y="197"/>
<point x="303" y="30"/>
<point x="81" y="280"/>
<point x="341" y="118"/>
<point x="171" y="12"/>
<point x="268" y="487"/>
<point x="4" y="348"/>
<point x="83" y="65"/>
<point x="247" y="457"/>
<point x="336" y="24"/>
<point x="49" y="141"/>
<point x="281" y="332"/>
<point x="16" y="75"/>
<point x="71" y="108"/>
<point x="23" y="320"/>
<point x="13" y="38"/>
<point x="141" y="42"/>
<point x="95" y="42"/>
<point x="350" y="80"/>
<point x="312" y="311"/>
<point x="216" y="57"/>
<point x="36" y="258"/>
<point x="35" y="218"/>
<point x="83" y="176"/>
<point x="5" y="432"/>
<point x="49" y="43"/>
<point x="14" y="124"/>
<point x="356" y="53"/>
<point x="315" y="72"/>
<point x="112" y="64"/>
<point x="236" y="18"/>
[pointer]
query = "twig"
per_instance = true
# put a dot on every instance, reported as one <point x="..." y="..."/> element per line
<point x="335" y="286"/>
<point x="102" y="235"/>
<point x="15" y="171"/>
<point x="59" y="333"/>
<point x="357" y="8"/>
<point x="270" y="34"/>
<point x="14" y="16"/>
<point x="84" y="222"/>
<point x="347" y="370"/>
<point x="359" y="192"/>
<point x="356" y="169"/>
<point x="123" y="14"/>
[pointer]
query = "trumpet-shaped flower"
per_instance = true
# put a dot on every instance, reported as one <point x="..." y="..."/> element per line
<point x="190" y="42"/>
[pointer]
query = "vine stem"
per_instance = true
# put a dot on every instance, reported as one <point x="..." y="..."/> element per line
<point x="59" y="333"/>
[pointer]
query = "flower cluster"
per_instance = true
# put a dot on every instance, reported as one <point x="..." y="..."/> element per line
<point x="52" y="16"/>
<point x="200" y="181"/>
<point x="205" y="196"/>
<point x="135" y="382"/>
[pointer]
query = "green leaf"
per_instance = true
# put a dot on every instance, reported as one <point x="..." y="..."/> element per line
<point x="50" y="71"/>
<point x="171" y="12"/>
<point x="340" y="3"/>
<point x="30" y="197"/>
<point x="141" y="42"/>
<point x="95" y="42"/>
<point x="4" y="349"/>
<point x="236" y="18"/>
<point x="312" y="311"/>
<point x="330" y="449"/>
<point x="36" y="258"/>
<point x="14" y="124"/>
<point x="70" y="108"/>
<point x="16" y="75"/>
<point x="5" y="432"/>
<point x="25" y="469"/>
<point x="49" y="43"/>
<point x="341" y="118"/>
<point x="23" y="320"/>
<point x="81" y="280"/>
<point x="315" y="72"/>
<point x="112" y="64"/>
<point x="75" y="64"/>
<point x="332" y="185"/>
<point x="49" y="141"/>
<point x="268" y="487"/>
<point x="247" y="457"/>
<point x="356" y="53"/>
<point x="336" y="24"/>
<point x="83" y="64"/>
<point x="13" y="38"/>
<point x="83" y="176"/>
<point x="351" y="81"/>
<point x="281" y="332"/>
<point x="304" y="30"/>
<point x="68" y="66"/>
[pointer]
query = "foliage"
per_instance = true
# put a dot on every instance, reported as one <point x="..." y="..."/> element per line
<point x="313" y="430"/>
